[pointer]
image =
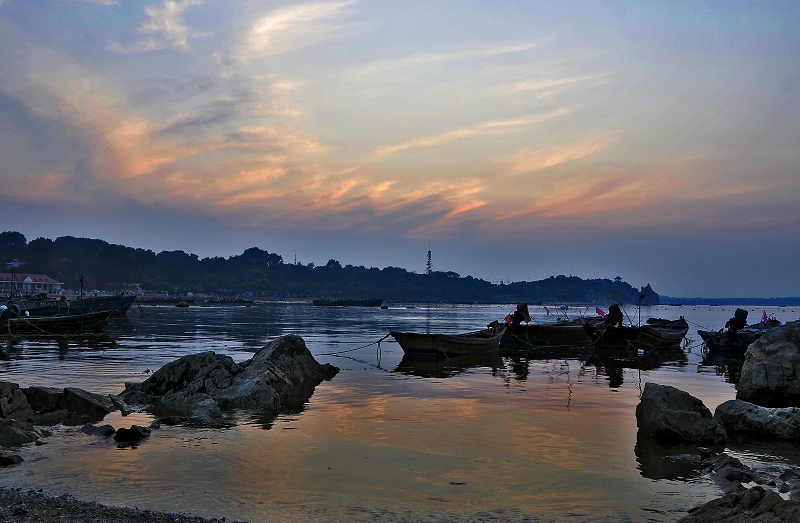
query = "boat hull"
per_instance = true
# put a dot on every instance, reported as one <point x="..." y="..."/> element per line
<point x="478" y="342"/>
<point x="66" y="325"/>
<point x="656" y="333"/>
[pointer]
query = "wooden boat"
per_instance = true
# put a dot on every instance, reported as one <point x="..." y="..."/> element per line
<point x="119" y="303"/>
<point x="372" y="302"/>
<point x="477" y="342"/>
<point x="63" y="325"/>
<point x="656" y="332"/>
<point x="739" y="340"/>
<point x="560" y="332"/>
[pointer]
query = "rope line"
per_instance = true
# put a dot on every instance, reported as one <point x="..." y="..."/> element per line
<point x="355" y="349"/>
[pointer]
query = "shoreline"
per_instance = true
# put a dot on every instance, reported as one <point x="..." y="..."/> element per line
<point x="19" y="505"/>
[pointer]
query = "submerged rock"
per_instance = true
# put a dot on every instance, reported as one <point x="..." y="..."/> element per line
<point x="670" y="414"/>
<point x="204" y="385"/>
<point x="771" y="370"/>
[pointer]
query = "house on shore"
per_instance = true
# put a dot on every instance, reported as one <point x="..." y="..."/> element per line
<point x="24" y="283"/>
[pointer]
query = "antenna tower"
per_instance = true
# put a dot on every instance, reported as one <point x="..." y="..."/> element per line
<point x="428" y="266"/>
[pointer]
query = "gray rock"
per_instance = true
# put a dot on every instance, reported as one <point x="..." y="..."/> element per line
<point x="741" y="417"/>
<point x="14" y="433"/>
<point x="13" y="403"/>
<point x="669" y="414"/>
<point x="744" y="506"/>
<point x="204" y="385"/>
<point x="103" y="430"/>
<point x="6" y="460"/>
<point x="771" y="370"/>
<point x="44" y="399"/>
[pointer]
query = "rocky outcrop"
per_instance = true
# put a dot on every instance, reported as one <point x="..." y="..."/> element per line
<point x="70" y="406"/>
<point x="13" y="403"/>
<point x="743" y="418"/>
<point x="669" y="414"/>
<point x="744" y="506"/>
<point x="204" y="385"/>
<point x="771" y="370"/>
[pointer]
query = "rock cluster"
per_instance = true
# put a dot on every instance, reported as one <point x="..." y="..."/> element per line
<point x="278" y="377"/>
<point x="766" y="394"/>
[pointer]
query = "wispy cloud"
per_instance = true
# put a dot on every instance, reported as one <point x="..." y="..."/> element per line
<point x="429" y="59"/>
<point x="292" y="28"/>
<point x="481" y="129"/>
<point x="162" y="29"/>
<point x="527" y="161"/>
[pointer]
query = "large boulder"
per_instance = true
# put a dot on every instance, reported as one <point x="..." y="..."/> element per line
<point x="741" y="417"/>
<point x="206" y="384"/>
<point x="14" y="433"/>
<point x="70" y="405"/>
<point x="13" y="403"/>
<point x="771" y="370"/>
<point x="669" y="414"/>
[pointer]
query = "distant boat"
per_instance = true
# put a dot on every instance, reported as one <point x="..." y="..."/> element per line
<point x="372" y="302"/>
<point x="476" y="342"/>
<point x="65" y="325"/>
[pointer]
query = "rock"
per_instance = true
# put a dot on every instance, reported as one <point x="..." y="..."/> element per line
<point x="13" y="403"/>
<point x="135" y="433"/>
<point x="103" y="430"/>
<point x="741" y="417"/>
<point x="278" y="377"/>
<point x="728" y="472"/>
<point x="44" y="399"/>
<point x="771" y="370"/>
<point x="70" y="405"/>
<point x="744" y="506"/>
<point x="669" y="414"/>
<point x="14" y="433"/>
<point x="6" y="460"/>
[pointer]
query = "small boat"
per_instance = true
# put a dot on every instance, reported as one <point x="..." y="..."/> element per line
<point x="737" y="335"/>
<point x="655" y="333"/>
<point x="371" y="302"/>
<point x="559" y="332"/>
<point x="66" y="325"/>
<point x="476" y="342"/>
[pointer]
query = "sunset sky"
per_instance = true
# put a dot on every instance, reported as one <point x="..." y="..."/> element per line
<point x="655" y="141"/>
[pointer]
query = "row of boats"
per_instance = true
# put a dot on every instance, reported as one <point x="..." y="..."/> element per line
<point x="655" y="333"/>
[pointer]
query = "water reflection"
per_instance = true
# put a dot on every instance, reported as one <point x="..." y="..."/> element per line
<point x="433" y="367"/>
<point x="727" y="364"/>
<point x="657" y="460"/>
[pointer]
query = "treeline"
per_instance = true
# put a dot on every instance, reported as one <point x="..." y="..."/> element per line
<point x="110" y="267"/>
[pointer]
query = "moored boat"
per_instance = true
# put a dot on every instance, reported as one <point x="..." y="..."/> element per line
<point x="118" y="303"/>
<point x="655" y="333"/>
<point x="737" y="335"/>
<point x="64" y="325"/>
<point x="476" y="342"/>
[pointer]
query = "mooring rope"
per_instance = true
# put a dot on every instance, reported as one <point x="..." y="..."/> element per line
<point x="355" y="349"/>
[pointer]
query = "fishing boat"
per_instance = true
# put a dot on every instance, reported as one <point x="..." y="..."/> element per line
<point x="655" y="333"/>
<point x="371" y="302"/>
<point x="476" y="342"/>
<point x="42" y="306"/>
<point x="737" y="335"/>
<point x="559" y="332"/>
<point x="64" y="325"/>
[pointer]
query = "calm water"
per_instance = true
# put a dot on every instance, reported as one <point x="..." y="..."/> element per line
<point x="537" y="435"/>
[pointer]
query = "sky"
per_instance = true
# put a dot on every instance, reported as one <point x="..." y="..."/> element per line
<point x="517" y="140"/>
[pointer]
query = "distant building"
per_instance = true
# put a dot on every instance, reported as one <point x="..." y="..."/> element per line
<point x="28" y="283"/>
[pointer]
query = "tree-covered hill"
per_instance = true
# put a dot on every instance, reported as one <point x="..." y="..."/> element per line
<point x="110" y="267"/>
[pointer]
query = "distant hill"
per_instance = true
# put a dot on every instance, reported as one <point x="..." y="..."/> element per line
<point x="261" y="274"/>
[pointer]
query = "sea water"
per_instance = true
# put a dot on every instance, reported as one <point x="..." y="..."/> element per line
<point x="534" y="434"/>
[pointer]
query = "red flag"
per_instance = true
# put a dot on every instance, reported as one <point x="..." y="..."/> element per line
<point x="581" y="320"/>
<point x="548" y="311"/>
<point x="599" y="311"/>
<point x="764" y="318"/>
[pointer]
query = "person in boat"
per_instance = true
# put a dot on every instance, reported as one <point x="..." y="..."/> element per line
<point x="738" y="322"/>
<point x="614" y="316"/>
<point x="519" y="315"/>
<point x="63" y="304"/>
